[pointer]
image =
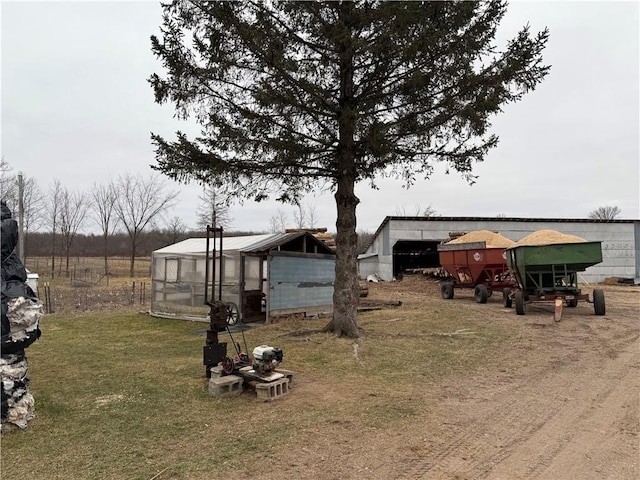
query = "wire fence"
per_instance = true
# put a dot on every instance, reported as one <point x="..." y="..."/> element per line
<point x="90" y="270"/>
<point x="61" y="299"/>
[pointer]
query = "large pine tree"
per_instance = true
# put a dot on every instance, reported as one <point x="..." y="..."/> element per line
<point x="296" y="95"/>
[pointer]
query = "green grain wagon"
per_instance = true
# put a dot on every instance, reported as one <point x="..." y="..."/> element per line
<point x="549" y="273"/>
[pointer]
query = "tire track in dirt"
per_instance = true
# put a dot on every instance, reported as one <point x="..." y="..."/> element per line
<point x="574" y="443"/>
<point x="527" y="426"/>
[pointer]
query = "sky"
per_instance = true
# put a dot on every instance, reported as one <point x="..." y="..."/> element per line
<point x="76" y="106"/>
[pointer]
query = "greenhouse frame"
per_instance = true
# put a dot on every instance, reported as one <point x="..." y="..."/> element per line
<point x="264" y="275"/>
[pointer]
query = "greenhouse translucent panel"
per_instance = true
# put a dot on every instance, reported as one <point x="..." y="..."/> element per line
<point x="252" y="273"/>
<point x="171" y="270"/>
<point x="231" y="269"/>
<point x="200" y="270"/>
<point x="158" y="268"/>
<point x="187" y="269"/>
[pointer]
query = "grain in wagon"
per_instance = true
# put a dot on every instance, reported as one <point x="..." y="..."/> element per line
<point x="491" y="239"/>
<point x="548" y="237"/>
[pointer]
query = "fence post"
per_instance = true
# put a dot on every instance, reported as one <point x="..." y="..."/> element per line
<point x="133" y="293"/>
<point x="47" y="298"/>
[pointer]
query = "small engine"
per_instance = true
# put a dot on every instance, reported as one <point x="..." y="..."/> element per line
<point x="266" y="358"/>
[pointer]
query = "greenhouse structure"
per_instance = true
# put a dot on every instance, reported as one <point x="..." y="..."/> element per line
<point x="264" y="275"/>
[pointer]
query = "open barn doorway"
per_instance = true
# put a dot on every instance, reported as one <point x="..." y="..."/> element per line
<point x="411" y="255"/>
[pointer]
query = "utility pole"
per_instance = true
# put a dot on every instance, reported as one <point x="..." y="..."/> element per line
<point x="21" y="216"/>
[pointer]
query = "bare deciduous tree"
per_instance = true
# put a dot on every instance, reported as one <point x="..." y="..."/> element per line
<point x="278" y="222"/>
<point x="428" y="211"/>
<point x="605" y="213"/>
<point x="213" y="209"/>
<point x="103" y="200"/>
<point x="300" y="216"/>
<point x="176" y="229"/>
<point x="73" y="210"/>
<point x="312" y="215"/>
<point x="34" y="208"/>
<point x="53" y="213"/>
<point x="364" y="238"/>
<point x="139" y="201"/>
<point x="8" y="186"/>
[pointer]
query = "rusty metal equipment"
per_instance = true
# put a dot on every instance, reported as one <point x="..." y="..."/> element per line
<point x="221" y="314"/>
<point x="549" y="273"/>
<point x="473" y="265"/>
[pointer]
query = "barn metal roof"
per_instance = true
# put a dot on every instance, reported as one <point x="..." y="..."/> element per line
<point x="387" y="219"/>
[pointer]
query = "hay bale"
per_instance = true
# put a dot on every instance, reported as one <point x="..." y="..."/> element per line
<point x="548" y="237"/>
<point x="491" y="239"/>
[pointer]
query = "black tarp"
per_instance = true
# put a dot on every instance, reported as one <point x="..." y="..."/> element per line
<point x="21" y="311"/>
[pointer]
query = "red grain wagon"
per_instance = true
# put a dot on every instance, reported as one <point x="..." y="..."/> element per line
<point x="474" y="265"/>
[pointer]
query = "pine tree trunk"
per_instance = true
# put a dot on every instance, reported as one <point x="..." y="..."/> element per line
<point x="346" y="286"/>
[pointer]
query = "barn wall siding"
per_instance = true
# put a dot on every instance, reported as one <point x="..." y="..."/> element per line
<point x="620" y="241"/>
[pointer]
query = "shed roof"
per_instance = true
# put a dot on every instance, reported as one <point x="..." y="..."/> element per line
<point x="199" y="245"/>
<point x="246" y="244"/>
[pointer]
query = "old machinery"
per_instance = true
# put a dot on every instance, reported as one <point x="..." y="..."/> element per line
<point x="266" y="359"/>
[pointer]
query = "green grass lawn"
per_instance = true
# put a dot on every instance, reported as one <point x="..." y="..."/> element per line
<point x="124" y="396"/>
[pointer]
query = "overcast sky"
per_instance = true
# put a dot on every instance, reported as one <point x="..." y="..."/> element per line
<point x="76" y="106"/>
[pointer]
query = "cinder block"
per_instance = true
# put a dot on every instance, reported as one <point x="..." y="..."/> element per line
<point x="288" y="374"/>
<point x="272" y="390"/>
<point x="216" y="371"/>
<point x="227" y="386"/>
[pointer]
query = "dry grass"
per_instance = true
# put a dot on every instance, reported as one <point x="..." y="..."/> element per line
<point x="123" y="396"/>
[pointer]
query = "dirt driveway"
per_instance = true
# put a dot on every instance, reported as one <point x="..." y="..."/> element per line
<point x="560" y="403"/>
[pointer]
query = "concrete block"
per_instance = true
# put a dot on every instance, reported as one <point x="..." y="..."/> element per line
<point x="288" y="374"/>
<point x="272" y="390"/>
<point x="227" y="386"/>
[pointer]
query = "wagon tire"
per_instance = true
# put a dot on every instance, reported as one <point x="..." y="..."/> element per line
<point x="481" y="294"/>
<point x="447" y="291"/>
<point x="572" y="303"/>
<point x="506" y="297"/>
<point x="598" y="301"/>
<point x="520" y="302"/>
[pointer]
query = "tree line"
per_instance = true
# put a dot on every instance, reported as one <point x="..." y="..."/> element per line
<point x="128" y="211"/>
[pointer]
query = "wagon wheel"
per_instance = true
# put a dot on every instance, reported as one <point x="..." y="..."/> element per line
<point x="232" y="313"/>
<point x="481" y="293"/>
<point x="506" y="297"/>
<point x="447" y="291"/>
<point x="520" y="302"/>
<point x="598" y="301"/>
